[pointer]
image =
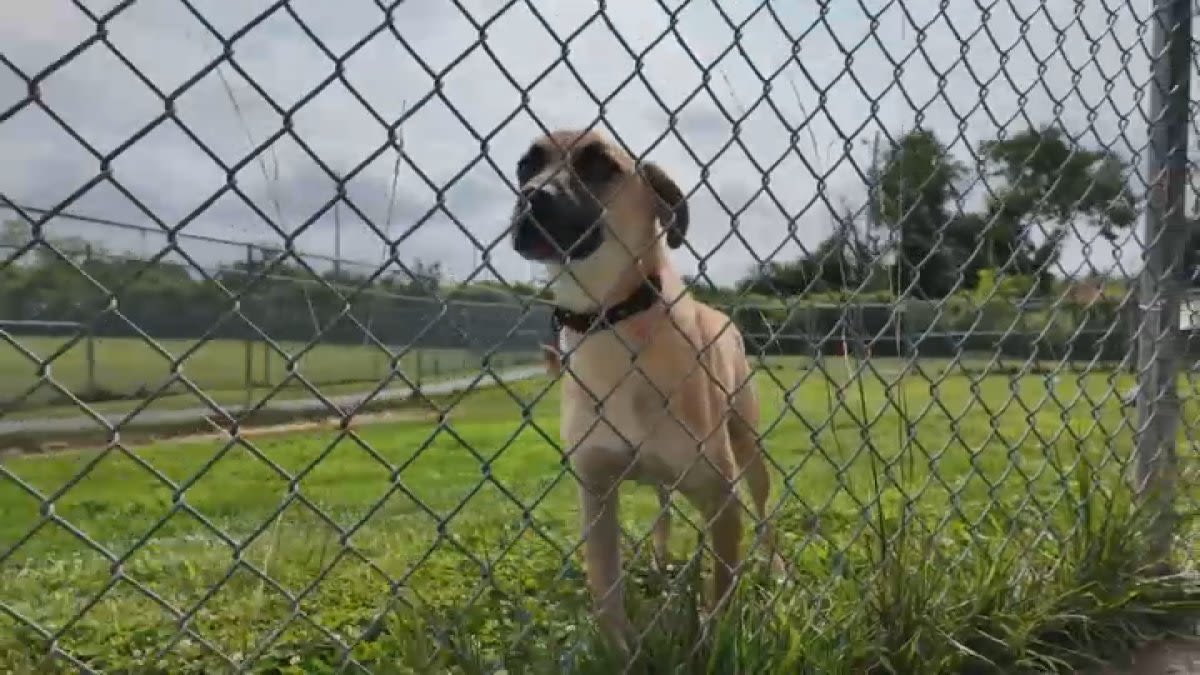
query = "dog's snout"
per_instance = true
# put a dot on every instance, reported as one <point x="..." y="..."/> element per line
<point x="548" y="224"/>
<point x="533" y="214"/>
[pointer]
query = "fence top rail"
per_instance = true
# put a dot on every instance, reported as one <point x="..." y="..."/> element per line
<point x="132" y="227"/>
<point x="35" y="323"/>
<point x="47" y="214"/>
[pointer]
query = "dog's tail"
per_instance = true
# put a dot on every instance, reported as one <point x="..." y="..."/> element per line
<point x="552" y="359"/>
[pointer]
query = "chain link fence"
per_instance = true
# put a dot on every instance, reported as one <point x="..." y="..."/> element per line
<point x="961" y="273"/>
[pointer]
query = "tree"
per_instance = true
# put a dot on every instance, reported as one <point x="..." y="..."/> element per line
<point x="780" y="279"/>
<point x="844" y="260"/>
<point x="1050" y="183"/>
<point x="703" y="288"/>
<point x="965" y="238"/>
<point x="424" y="277"/>
<point x="913" y="184"/>
<point x="14" y="234"/>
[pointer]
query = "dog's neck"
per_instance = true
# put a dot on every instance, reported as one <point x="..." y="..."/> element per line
<point x="647" y="295"/>
<point x="646" y="283"/>
<point x="608" y="277"/>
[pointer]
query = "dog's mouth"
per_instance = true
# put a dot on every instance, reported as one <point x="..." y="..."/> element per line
<point x="538" y="247"/>
<point x="541" y="250"/>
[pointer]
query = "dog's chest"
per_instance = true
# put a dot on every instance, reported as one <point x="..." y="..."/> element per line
<point x="620" y="392"/>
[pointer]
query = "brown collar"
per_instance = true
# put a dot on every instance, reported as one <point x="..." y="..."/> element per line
<point x="642" y="299"/>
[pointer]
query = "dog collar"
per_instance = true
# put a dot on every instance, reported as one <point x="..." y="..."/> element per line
<point x="639" y="301"/>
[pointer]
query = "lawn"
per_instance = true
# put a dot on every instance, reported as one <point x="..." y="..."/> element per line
<point x="1004" y="543"/>
<point x="229" y="371"/>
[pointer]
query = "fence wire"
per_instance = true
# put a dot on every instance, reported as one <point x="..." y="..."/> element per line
<point x="973" y="383"/>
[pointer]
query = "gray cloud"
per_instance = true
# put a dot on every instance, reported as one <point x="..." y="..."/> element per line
<point x="836" y="82"/>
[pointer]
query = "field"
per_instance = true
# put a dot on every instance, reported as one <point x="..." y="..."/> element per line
<point x="934" y="524"/>
<point x="229" y="371"/>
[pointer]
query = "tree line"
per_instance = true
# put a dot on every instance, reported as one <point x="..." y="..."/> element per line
<point x="914" y="239"/>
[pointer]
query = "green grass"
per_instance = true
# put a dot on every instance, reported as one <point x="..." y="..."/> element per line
<point x="1005" y="542"/>
<point x="130" y="368"/>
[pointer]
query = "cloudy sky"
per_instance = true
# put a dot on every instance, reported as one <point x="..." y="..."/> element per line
<point x="666" y="76"/>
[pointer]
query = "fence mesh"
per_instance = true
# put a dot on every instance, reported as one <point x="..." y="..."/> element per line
<point x="954" y="239"/>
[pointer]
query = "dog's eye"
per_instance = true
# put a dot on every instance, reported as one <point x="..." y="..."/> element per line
<point x="594" y="165"/>
<point x="529" y="165"/>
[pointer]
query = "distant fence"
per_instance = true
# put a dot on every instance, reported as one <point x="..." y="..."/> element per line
<point x="300" y="297"/>
<point x="252" y="317"/>
<point x="289" y="332"/>
<point x="286" y="332"/>
<point x="1100" y="330"/>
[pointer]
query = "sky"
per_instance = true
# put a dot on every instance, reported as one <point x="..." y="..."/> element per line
<point x="473" y="81"/>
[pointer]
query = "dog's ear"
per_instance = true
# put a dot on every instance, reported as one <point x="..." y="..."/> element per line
<point x="671" y="204"/>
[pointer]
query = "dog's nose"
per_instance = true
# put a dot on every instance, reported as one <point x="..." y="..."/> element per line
<point x="538" y="205"/>
<point x="537" y="199"/>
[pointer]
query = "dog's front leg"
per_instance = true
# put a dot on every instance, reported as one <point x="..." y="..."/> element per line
<point x="602" y="551"/>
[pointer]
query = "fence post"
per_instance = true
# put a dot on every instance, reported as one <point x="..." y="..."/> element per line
<point x="266" y="359"/>
<point x="89" y="347"/>
<point x="248" y="375"/>
<point x="1161" y="284"/>
<point x="420" y="367"/>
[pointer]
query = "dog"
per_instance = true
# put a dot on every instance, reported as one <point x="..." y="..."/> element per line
<point x="657" y="386"/>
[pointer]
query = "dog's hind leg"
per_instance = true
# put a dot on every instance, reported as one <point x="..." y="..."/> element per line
<point x="723" y="513"/>
<point x="751" y="462"/>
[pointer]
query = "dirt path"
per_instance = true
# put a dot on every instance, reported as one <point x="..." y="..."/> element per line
<point x="1168" y="657"/>
<point x="35" y="435"/>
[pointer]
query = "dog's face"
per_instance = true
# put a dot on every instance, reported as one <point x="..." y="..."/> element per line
<point x="584" y="204"/>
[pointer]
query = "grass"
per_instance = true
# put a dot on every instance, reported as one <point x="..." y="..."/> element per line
<point x="129" y="370"/>
<point x="975" y="524"/>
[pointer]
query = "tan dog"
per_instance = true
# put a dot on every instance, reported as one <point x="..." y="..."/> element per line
<point x="657" y="386"/>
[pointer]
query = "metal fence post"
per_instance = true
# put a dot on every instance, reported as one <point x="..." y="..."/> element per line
<point x="248" y="346"/>
<point x="420" y="367"/>
<point x="89" y="346"/>
<point x="1160" y="288"/>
